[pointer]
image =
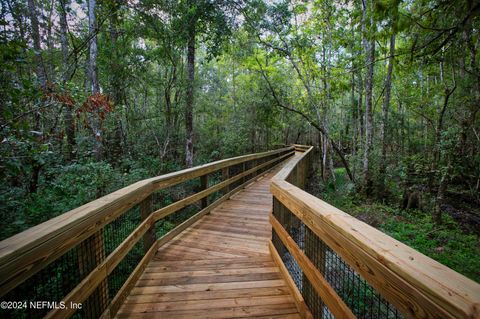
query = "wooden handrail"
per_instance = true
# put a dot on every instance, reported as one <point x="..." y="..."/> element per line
<point x="418" y="286"/>
<point x="28" y="252"/>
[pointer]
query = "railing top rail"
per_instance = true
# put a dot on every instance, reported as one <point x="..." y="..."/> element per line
<point x="417" y="284"/>
<point x="288" y="168"/>
<point x="64" y="231"/>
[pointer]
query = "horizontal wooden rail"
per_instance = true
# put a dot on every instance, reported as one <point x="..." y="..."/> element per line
<point x="165" y="211"/>
<point x="25" y="254"/>
<point x="418" y="286"/>
<point x="328" y="295"/>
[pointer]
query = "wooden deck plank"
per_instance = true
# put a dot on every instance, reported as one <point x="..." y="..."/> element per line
<point x="228" y="312"/>
<point x="174" y="306"/>
<point x="220" y="267"/>
<point x="209" y="295"/>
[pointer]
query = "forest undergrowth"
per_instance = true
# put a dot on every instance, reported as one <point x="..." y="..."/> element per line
<point x="452" y="243"/>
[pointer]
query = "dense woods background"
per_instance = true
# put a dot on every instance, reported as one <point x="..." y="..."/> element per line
<point x="98" y="94"/>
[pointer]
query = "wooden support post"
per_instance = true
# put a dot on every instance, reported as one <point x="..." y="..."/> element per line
<point x="225" y="176"/>
<point x="145" y="210"/>
<point x="91" y="252"/>
<point x="303" y="174"/>
<point x="243" y="170"/>
<point x="204" y="185"/>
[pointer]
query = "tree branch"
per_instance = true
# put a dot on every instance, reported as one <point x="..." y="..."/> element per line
<point x="307" y="118"/>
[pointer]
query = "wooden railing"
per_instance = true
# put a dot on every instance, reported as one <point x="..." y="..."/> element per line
<point x="78" y="257"/>
<point x="342" y="266"/>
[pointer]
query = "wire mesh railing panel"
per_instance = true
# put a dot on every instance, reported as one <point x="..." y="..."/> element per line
<point x="362" y="299"/>
<point x="55" y="281"/>
<point x="124" y="269"/>
<point x="50" y="284"/>
<point x="233" y="171"/>
<point x="170" y="195"/>
<point x="291" y="223"/>
<point x="290" y="263"/>
<point x="119" y="229"/>
<point x="315" y="304"/>
<point x="165" y="225"/>
<point x="213" y="179"/>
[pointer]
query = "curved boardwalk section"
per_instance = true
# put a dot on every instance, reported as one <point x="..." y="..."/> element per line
<point x="220" y="267"/>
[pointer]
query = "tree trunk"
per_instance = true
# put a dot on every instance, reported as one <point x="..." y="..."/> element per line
<point x="50" y="65"/>
<point x="190" y="93"/>
<point x="384" y="124"/>
<point x="92" y="74"/>
<point x="118" y="94"/>
<point x="369" y="47"/>
<point x="68" y="116"/>
<point x="442" y="189"/>
<point x="93" y="50"/>
<point x="40" y="70"/>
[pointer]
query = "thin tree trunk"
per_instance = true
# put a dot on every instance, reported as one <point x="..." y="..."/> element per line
<point x="92" y="74"/>
<point x="190" y="93"/>
<point x="443" y="176"/>
<point x="384" y="124"/>
<point x="116" y="85"/>
<point x="354" y="122"/>
<point x="93" y="50"/>
<point x="40" y="70"/>
<point x="369" y="47"/>
<point x="317" y="126"/>
<point x="50" y="43"/>
<point x="42" y="80"/>
<point x="68" y="116"/>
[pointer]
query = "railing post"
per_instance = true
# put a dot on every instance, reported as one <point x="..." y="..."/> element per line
<point x="145" y="211"/>
<point x="225" y="176"/>
<point x="204" y="185"/>
<point x="303" y="175"/>
<point x="91" y="252"/>
<point x="243" y="170"/>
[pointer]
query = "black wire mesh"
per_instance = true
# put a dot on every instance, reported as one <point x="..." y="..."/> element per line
<point x="233" y="171"/>
<point x="363" y="300"/>
<point x="58" y="279"/>
<point x="213" y="179"/>
<point x="50" y="284"/>
<point x="115" y="233"/>
<point x="55" y="281"/>
<point x="118" y="230"/>
<point x="125" y="268"/>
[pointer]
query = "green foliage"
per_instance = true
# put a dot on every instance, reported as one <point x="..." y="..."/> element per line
<point x="447" y="244"/>
<point x="254" y="60"/>
<point x="62" y="189"/>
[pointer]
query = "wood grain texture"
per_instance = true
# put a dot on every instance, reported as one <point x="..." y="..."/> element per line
<point x="219" y="267"/>
<point x="327" y="294"/>
<point x="417" y="285"/>
<point x="297" y="295"/>
<point x="26" y="253"/>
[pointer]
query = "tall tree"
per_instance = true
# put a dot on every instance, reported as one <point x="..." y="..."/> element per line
<point x="384" y="123"/>
<point x="191" y="33"/>
<point x="208" y="19"/>
<point x="93" y="78"/>
<point x="369" y="48"/>
<point x="117" y="86"/>
<point x="92" y="47"/>
<point x="40" y="69"/>
<point x="68" y="107"/>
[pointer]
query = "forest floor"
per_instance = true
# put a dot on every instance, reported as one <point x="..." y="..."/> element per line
<point x="453" y="243"/>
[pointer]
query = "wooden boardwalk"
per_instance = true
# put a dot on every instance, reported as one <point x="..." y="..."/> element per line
<point x="220" y="267"/>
